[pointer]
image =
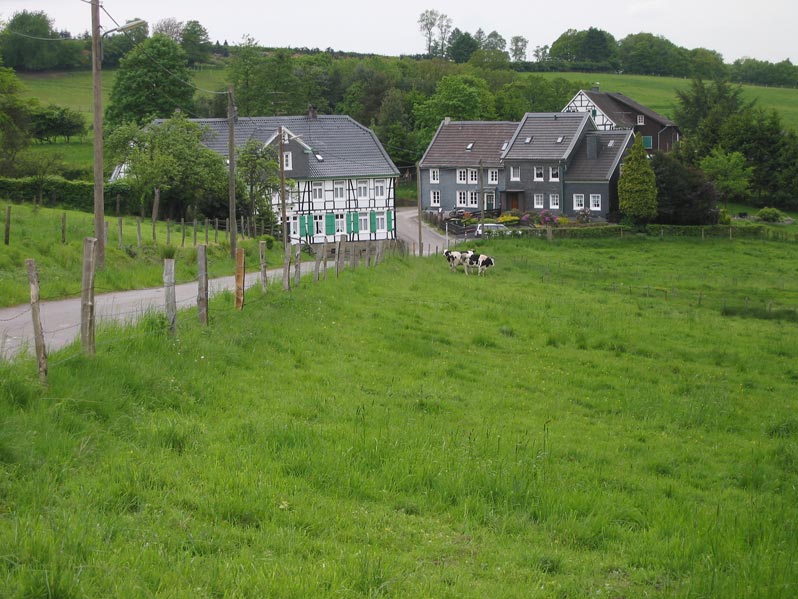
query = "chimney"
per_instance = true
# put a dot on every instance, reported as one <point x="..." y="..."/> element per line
<point x="447" y="120"/>
<point x="592" y="147"/>
<point x="312" y="114"/>
<point x="595" y="87"/>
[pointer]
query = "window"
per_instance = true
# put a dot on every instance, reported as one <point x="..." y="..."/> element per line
<point x="318" y="224"/>
<point x="473" y="175"/>
<point x="648" y="142"/>
<point x="641" y="119"/>
<point x="554" y="173"/>
<point x="538" y="200"/>
<point x="515" y="173"/>
<point x="288" y="163"/>
<point x="380" y="221"/>
<point x="339" y="190"/>
<point x="554" y="201"/>
<point x="362" y="189"/>
<point x="462" y="198"/>
<point x="538" y="173"/>
<point x="493" y="176"/>
<point x="318" y="190"/>
<point x="363" y="222"/>
<point x="461" y="175"/>
<point x="490" y="200"/>
<point x="470" y="146"/>
<point x="340" y="226"/>
<point x="294" y="226"/>
<point x="595" y="201"/>
<point x="473" y="199"/>
<point x="379" y="189"/>
<point x="435" y="197"/>
<point x="579" y="201"/>
<point x="434" y="175"/>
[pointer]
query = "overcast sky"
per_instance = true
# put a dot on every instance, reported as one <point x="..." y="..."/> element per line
<point x="735" y="28"/>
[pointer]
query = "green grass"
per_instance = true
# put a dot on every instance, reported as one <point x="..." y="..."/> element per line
<point x="37" y="234"/>
<point x="406" y="432"/>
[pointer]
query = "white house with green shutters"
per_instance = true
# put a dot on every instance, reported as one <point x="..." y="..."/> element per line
<point x="342" y="180"/>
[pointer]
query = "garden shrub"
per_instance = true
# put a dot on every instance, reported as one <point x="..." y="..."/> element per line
<point x="770" y="215"/>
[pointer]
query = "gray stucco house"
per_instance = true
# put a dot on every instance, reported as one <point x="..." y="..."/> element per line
<point x="344" y="182"/>
<point x="549" y="161"/>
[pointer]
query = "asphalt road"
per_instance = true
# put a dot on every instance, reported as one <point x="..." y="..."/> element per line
<point x="61" y="318"/>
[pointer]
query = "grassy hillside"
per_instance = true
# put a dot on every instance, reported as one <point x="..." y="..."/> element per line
<point x="560" y="428"/>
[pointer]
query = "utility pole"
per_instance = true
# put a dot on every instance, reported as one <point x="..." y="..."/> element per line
<point x="97" y="124"/>
<point x="286" y="273"/>
<point x="481" y="200"/>
<point x="231" y="159"/>
<point x="418" y="194"/>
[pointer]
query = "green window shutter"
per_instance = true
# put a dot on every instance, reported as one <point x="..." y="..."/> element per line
<point x="304" y="225"/>
<point x="355" y="222"/>
<point x="389" y="219"/>
<point x="373" y="221"/>
<point x="329" y="224"/>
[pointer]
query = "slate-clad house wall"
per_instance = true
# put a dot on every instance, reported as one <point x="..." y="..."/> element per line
<point x="552" y="161"/>
<point x="450" y="169"/>
<point x="617" y="111"/>
<point x="344" y="180"/>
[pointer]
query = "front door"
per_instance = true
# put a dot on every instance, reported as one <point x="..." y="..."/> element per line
<point x="513" y="200"/>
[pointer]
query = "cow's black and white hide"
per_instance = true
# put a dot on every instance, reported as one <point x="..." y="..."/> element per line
<point x="457" y="258"/>
<point x="480" y="262"/>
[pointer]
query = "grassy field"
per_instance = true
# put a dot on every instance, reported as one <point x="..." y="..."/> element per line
<point x="37" y="234"/>
<point x="550" y="430"/>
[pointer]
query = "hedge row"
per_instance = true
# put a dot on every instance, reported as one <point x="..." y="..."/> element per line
<point x="76" y="195"/>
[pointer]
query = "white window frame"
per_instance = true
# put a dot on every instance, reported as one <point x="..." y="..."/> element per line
<point x="363" y="221"/>
<point x="473" y="199"/>
<point x="493" y="176"/>
<point x="538" y="201"/>
<point x="490" y="198"/>
<point x="462" y="175"/>
<point x="539" y="173"/>
<point x="434" y="175"/>
<point x="339" y="190"/>
<point x="294" y="226"/>
<point x="362" y="184"/>
<point x="515" y="173"/>
<point x="381" y="223"/>
<point x="462" y="199"/>
<point x="435" y="197"/>
<point x="579" y="201"/>
<point x="288" y="161"/>
<point x="554" y="201"/>
<point x="554" y="173"/>
<point x="317" y="190"/>
<point x="595" y="201"/>
<point x="641" y="119"/>
<point x="318" y="224"/>
<point x="380" y="188"/>
<point x="340" y="223"/>
<point x="473" y="175"/>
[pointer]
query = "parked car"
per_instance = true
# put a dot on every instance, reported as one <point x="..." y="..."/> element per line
<point x="492" y="229"/>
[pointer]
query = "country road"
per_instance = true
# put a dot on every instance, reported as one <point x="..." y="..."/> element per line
<point x="61" y="318"/>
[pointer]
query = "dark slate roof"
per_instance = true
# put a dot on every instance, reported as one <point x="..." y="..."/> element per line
<point x="611" y="148"/>
<point x="623" y="110"/>
<point x="449" y="147"/>
<point x="347" y="148"/>
<point x="547" y="135"/>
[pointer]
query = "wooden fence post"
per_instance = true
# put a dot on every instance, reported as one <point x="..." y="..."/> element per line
<point x="240" y="276"/>
<point x="119" y="226"/>
<point x="138" y="230"/>
<point x="87" y="296"/>
<point x="202" y="279"/>
<point x="264" y="281"/>
<point x="317" y="267"/>
<point x="206" y="231"/>
<point x="63" y="227"/>
<point x="195" y="232"/>
<point x="368" y="254"/>
<point x="7" y="235"/>
<point x="38" y="333"/>
<point x="183" y="231"/>
<point x="324" y="251"/>
<point x="338" y="249"/>
<point x="216" y="230"/>
<point x="297" y="264"/>
<point x="169" y="294"/>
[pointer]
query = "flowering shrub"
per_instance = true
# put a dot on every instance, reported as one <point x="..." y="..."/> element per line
<point x="547" y="218"/>
<point x="770" y="215"/>
<point x="509" y="219"/>
<point x="583" y="216"/>
<point x="562" y="220"/>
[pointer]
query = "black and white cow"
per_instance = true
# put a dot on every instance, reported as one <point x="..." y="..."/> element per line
<point x="480" y="262"/>
<point x="457" y="258"/>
